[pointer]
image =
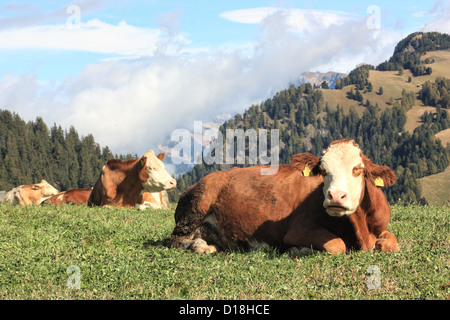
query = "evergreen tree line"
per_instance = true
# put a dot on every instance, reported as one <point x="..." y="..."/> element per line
<point x="436" y="93"/>
<point x="358" y="77"/>
<point x="307" y="124"/>
<point x="30" y="152"/>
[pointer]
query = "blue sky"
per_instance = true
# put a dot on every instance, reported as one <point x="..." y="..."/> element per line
<point x="131" y="72"/>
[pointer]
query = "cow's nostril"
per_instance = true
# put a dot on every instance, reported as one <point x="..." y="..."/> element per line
<point x="336" y="196"/>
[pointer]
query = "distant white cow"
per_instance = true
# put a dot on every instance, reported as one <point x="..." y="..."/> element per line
<point x="26" y="195"/>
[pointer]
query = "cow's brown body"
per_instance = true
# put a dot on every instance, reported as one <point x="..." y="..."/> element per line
<point x="241" y="208"/>
<point x="73" y="196"/>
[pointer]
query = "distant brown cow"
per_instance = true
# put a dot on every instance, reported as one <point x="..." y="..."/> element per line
<point x="153" y="200"/>
<point x="30" y="194"/>
<point x="73" y="196"/>
<point x="121" y="182"/>
<point x="332" y="204"/>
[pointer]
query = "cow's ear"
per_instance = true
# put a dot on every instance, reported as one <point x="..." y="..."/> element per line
<point x="161" y="156"/>
<point x="306" y="163"/>
<point x="142" y="162"/>
<point x="380" y="176"/>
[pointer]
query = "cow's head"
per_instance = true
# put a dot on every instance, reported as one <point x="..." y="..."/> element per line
<point x="155" y="178"/>
<point x="45" y="188"/>
<point x="345" y="172"/>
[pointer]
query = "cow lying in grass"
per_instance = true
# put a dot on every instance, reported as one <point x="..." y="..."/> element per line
<point x="26" y="195"/>
<point x="121" y="183"/>
<point x="333" y="204"/>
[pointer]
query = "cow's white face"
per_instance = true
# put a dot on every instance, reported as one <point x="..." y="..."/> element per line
<point x="45" y="188"/>
<point x="342" y="168"/>
<point x="158" y="178"/>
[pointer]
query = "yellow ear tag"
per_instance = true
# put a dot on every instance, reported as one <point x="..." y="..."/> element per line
<point x="379" y="182"/>
<point x="307" y="172"/>
<point x="142" y="163"/>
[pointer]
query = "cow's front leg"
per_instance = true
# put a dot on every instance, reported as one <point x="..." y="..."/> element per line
<point x="386" y="241"/>
<point x="319" y="239"/>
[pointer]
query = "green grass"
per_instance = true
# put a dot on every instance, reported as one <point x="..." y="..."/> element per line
<point x="121" y="254"/>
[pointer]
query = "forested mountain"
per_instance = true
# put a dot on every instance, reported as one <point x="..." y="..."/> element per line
<point x="308" y="123"/>
<point x="30" y="152"/>
<point x="408" y="52"/>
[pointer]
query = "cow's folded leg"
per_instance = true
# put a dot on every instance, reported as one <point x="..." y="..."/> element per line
<point x="201" y="246"/>
<point x="386" y="241"/>
<point x="301" y="251"/>
<point x="198" y="245"/>
<point x="334" y="246"/>
<point x="319" y="239"/>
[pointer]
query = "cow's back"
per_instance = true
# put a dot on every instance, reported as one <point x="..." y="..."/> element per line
<point x="72" y="196"/>
<point x="23" y="195"/>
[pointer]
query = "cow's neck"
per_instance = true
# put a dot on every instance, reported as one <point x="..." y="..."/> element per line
<point x="364" y="237"/>
<point x="131" y="187"/>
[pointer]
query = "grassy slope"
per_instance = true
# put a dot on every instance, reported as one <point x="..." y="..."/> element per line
<point x="439" y="185"/>
<point x="393" y="84"/>
<point x="121" y="255"/>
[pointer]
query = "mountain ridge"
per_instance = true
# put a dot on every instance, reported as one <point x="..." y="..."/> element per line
<point x="309" y="118"/>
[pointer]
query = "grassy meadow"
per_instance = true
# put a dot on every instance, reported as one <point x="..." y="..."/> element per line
<point x="121" y="254"/>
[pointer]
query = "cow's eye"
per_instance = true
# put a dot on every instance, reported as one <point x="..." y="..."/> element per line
<point x="322" y="171"/>
<point x="357" y="170"/>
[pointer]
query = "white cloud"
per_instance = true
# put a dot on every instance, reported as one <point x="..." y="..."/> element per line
<point x="440" y="17"/>
<point x="134" y="104"/>
<point x="91" y="36"/>
<point x="298" y="20"/>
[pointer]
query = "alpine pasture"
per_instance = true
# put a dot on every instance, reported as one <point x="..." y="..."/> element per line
<point x="77" y="252"/>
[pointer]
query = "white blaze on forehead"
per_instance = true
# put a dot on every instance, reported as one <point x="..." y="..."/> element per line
<point x="338" y="163"/>
<point x="344" y="154"/>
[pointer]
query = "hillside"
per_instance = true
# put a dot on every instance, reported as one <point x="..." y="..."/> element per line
<point x="393" y="126"/>
<point x="439" y="184"/>
<point x="393" y="84"/>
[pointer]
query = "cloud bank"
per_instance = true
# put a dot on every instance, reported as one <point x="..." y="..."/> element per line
<point x="162" y="83"/>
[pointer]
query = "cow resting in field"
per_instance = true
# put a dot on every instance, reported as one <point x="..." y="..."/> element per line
<point x="121" y="183"/>
<point x="333" y="204"/>
<point x="72" y="196"/>
<point x="30" y="194"/>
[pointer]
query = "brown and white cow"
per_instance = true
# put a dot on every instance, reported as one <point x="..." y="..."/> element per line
<point x="332" y="204"/>
<point x="72" y="196"/>
<point x="153" y="200"/>
<point x="122" y="182"/>
<point x="30" y="194"/>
